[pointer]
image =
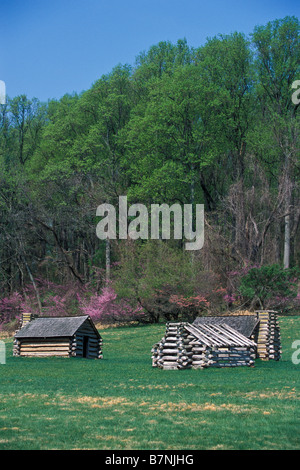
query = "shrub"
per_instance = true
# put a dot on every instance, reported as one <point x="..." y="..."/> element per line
<point x="11" y="308"/>
<point x="56" y="300"/>
<point x="106" y="308"/>
<point x="270" y="287"/>
<point x="168" y="282"/>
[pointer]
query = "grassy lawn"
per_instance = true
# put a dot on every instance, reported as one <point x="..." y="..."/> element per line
<point x="121" y="402"/>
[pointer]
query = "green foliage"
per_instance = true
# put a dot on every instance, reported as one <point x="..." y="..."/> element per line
<point x="268" y="283"/>
<point x="149" y="273"/>
<point x="277" y="60"/>
<point x="213" y="125"/>
<point x="276" y="66"/>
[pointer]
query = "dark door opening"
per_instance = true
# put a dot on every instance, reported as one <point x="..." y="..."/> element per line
<point x="85" y="346"/>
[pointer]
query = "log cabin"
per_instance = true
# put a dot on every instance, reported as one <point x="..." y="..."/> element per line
<point x="219" y="341"/>
<point x="262" y="327"/>
<point x="58" y="336"/>
<point x="199" y="346"/>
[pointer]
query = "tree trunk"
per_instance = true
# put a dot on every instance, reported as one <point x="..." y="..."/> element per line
<point x="107" y="259"/>
<point x="37" y="294"/>
<point x="287" y="242"/>
<point x="287" y="218"/>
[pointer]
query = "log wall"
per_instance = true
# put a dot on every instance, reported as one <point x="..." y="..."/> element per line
<point x="94" y="347"/>
<point x="173" y="351"/>
<point x="42" y="347"/>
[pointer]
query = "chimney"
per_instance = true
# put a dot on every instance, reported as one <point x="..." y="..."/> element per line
<point x="268" y="340"/>
<point x="26" y="318"/>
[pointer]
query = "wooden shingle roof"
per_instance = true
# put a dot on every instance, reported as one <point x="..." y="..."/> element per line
<point x="51" y="327"/>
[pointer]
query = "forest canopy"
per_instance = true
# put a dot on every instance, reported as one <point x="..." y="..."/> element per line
<point x="213" y="125"/>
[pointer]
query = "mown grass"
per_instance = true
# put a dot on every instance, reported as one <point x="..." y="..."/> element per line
<point x="121" y="402"/>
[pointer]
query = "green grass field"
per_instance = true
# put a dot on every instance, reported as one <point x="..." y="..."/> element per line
<point x="121" y="402"/>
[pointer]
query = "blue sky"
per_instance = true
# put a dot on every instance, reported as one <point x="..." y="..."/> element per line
<point x="52" y="47"/>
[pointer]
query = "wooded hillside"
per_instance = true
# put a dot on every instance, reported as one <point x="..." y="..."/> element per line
<point x="214" y="125"/>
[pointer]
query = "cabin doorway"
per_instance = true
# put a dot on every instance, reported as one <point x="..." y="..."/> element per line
<point x="85" y="347"/>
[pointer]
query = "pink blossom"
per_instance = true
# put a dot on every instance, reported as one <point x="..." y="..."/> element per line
<point x="106" y="307"/>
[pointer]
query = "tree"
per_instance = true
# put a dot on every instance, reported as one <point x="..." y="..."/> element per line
<point x="269" y="286"/>
<point x="277" y="49"/>
<point x="27" y="119"/>
<point x="213" y="125"/>
<point x="161" y="279"/>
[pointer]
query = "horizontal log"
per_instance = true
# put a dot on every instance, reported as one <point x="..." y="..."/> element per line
<point x="48" y="349"/>
<point x="91" y="337"/>
<point x="168" y="358"/>
<point x="201" y="363"/>
<point x="168" y="362"/>
<point x="44" y="342"/>
<point x="170" y="351"/>
<point x="232" y="356"/>
<point x="85" y="330"/>
<point x="42" y="354"/>
<point x="171" y="344"/>
<point x="44" y="345"/>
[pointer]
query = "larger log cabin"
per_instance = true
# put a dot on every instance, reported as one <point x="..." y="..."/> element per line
<point x="219" y="341"/>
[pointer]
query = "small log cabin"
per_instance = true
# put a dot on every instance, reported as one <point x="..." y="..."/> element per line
<point x="58" y="336"/>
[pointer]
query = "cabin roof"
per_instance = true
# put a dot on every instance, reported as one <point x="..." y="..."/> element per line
<point x="51" y="327"/>
<point x="244" y="324"/>
<point x="217" y="335"/>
